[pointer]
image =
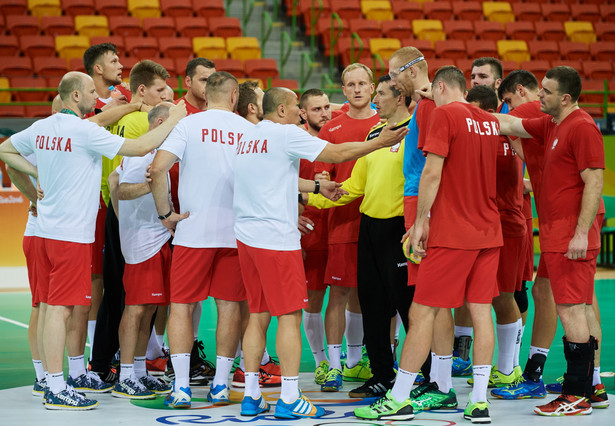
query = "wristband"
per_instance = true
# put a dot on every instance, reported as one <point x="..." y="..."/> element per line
<point x="300" y="198"/>
<point x="166" y="215"/>
<point x="316" y="187"/>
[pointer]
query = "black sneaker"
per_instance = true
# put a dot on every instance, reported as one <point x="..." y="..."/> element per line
<point x="201" y="370"/>
<point x="372" y="388"/>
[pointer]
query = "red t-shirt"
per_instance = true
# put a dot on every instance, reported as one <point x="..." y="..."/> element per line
<point x="573" y="145"/>
<point x="344" y="220"/>
<point x="100" y="103"/>
<point x="318" y="238"/>
<point x="423" y="114"/>
<point x="464" y="214"/>
<point x="509" y="190"/>
<point x="190" y="109"/>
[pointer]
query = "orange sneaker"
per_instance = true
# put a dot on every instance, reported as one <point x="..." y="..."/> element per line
<point x="267" y="380"/>
<point x="272" y="367"/>
<point x="565" y="405"/>
<point x="156" y="366"/>
<point x="239" y="378"/>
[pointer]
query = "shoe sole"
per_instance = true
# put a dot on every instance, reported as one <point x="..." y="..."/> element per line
<point x="355" y="379"/>
<point x="179" y="406"/>
<point x="239" y="385"/>
<point x="581" y="413"/>
<point x="37" y="393"/>
<point x="70" y="407"/>
<point x="88" y="390"/>
<point x="484" y="420"/>
<point x="324" y="388"/>
<point x="158" y="392"/>
<point x="600" y="405"/>
<point x="256" y="413"/>
<point x="389" y="417"/>
<point x="513" y="397"/>
<point x="127" y="396"/>
<point x="292" y="416"/>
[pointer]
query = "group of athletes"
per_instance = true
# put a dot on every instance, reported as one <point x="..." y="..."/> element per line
<point x="262" y="200"/>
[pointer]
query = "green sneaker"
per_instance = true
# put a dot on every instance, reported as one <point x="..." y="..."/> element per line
<point x="359" y="373"/>
<point x="429" y="397"/>
<point x="498" y="380"/>
<point x="477" y="413"/>
<point x="320" y="375"/>
<point x="333" y="381"/>
<point x="386" y="408"/>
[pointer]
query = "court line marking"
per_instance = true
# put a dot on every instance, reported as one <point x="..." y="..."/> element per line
<point x="17" y="323"/>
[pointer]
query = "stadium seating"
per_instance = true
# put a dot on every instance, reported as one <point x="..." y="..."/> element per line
<point x="487" y="30"/>
<point x="498" y="11"/>
<point x="125" y="26"/>
<point x="556" y="11"/>
<point x="396" y="28"/>
<point x="58" y="25"/>
<point x="378" y="68"/>
<point x="261" y="68"/>
<point x="210" y="47"/>
<point x="544" y="49"/>
<point x="598" y="70"/>
<point x="71" y="46"/>
<point x="428" y="29"/>
<point x="527" y="11"/>
<point x="12" y="111"/>
<point x="442" y="10"/>
<point x="585" y="12"/>
<point x="513" y="50"/>
<point x="537" y="67"/>
<point x="520" y="30"/>
<point x="592" y="85"/>
<point x="112" y="7"/>
<point x="76" y="64"/>
<point x="92" y="25"/>
<point x="436" y="64"/>
<point x="574" y="50"/>
<point x="116" y="40"/>
<point x="176" y="47"/>
<point x="38" y="111"/>
<point x="484" y="48"/>
<point x="49" y="67"/>
<point x="78" y="7"/>
<point x="288" y="83"/>
<point x="169" y="65"/>
<point x="37" y="45"/>
<point x="551" y="31"/>
<point x="580" y="31"/>
<point x="225" y="27"/>
<point x="27" y="83"/>
<point x="450" y="49"/>
<point x="234" y="66"/>
<point x="192" y="26"/>
<point x="144" y="8"/>
<point x="20" y="25"/>
<point x="407" y="10"/>
<point x="243" y="48"/>
<point x="602" y="50"/>
<point x="349" y="50"/>
<point x="14" y="7"/>
<point x="605" y="31"/>
<point x="45" y="7"/>
<point x="159" y="27"/>
<point x="459" y="30"/>
<point x="176" y="8"/>
<point x="9" y="45"/>
<point x="607" y="11"/>
<point x="366" y="28"/>
<point x="4" y="84"/>
<point x="384" y="47"/>
<point x="209" y="8"/>
<point x="349" y="9"/>
<point x="468" y="10"/>
<point x="127" y="63"/>
<point x="142" y="47"/>
<point x="379" y="10"/>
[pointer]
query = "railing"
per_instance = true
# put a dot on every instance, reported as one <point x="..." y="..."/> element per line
<point x="248" y="8"/>
<point x="313" y="21"/>
<point x="335" y="35"/>
<point x="266" y="28"/>
<point x="307" y="66"/>
<point x="284" y="55"/>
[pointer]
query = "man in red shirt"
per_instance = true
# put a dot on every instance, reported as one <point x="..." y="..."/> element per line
<point x="197" y="72"/>
<point x="460" y="245"/>
<point x="569" y="197"/>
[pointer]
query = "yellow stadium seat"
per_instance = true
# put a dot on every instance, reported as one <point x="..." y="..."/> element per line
<point x="71" y="46"/>
<point x="210" y="47"/>
<point x="513" y="50"/>
<point x="580" y="31"/>
<point x="45" y="7"/>
<point x="92" y="25"/>
<point x="4" y="84"/>
<point x="144" y="8"/>
<point x="498" y="11"/>
<point x="379" y="10"/>
<point x="428" y="29"/>
<point x="243" y="48"/>
<point x="385" y="47"/>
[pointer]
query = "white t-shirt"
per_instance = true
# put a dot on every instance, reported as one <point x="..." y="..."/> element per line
<point x="31" y="225"/>
<point x="141" y="233"/>
<point x="266" y="184"/>
<point x="69" y="159"/>
<point x="205" y="143"/>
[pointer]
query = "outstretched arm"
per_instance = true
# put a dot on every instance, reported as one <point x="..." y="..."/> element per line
<point x="512" y="126"/>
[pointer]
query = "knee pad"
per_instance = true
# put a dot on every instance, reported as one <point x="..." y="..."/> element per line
<point x="521" y="298"/>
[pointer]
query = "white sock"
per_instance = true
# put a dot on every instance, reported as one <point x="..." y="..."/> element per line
<point x="518" y="343"/>
<point x="481" y="381"/>
<point x="223" y="369"/>
<point x="38" y="369"/>
<point x="266" y="357"/>
<point x="398" y="323"/>
<point x="335" y="352"/>
<point x="314" y="328"/>
<point x="536" y="350"/>
<point x="126" y="371"/>
<point x="56" y="382"/>
<point x="154" y="349"/>
<point x="290" y="389"/>
<point x="393" y="349"/>
<point x="354" y="338"/>
<point x="196" y="319"/>
<point x="140" y="367"/>
<point x="444" y="379"/>
<point x="76" y="366"/>
<point x="160" y="339"/>
<point x="463" y="331"/>
<point x="91" y="332"/>
<point x="403" y="384"/>
<point x="242" y="366"/>
<point x="181" y="367"/>
<point x="433" y="369"/>
<point x="252" y="389"/>
<point x="507" y="338"/>
<point x="596" y="380"/>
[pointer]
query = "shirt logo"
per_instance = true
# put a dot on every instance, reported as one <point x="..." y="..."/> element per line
<point x="555" y="143"/>
<point x="395" y="148"/>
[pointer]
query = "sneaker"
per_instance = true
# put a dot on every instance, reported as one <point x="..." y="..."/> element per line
<point x="302" y="407"/>
<point x="156" y="366"/>
<point x="253" y="407"/>
<point x="386" y="408"/>
<point x="432" y="398"/>
<point x="200" y="367"/>
<point x="497" y="379"/>
<point x="69" y="399"/>
<point x="333" y="381"/>
<point x="109" y="376"/>
<point x="218" y="395"/>
<point x="477" y="413"/>
<point x="132" y="388"/>
<point x="599" y="398"/>
<point x="239" y="378"/>
<point x="153" y="384"/>
<point x="272" y="367"/>
<point x="89" y="382"/>
<point x="371" y="389"/>
<point x="522" y="388"/>
<point x="200" y="372"/>
<point x="420" y="379"/>
<point x="180" y="398"/>
<point x="461" y="367"/>
<point x="359" y="373"/>
<point x="321" y="372"/>
<point x="565" y="405"/>
<point x="41" y="385"/>
<point x="555" y="387"/>
<point x="267" y="380"/>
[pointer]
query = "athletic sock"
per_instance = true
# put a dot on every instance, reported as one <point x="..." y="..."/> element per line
<point x="238" y="352"/>
<point x="91" y="332"/>
<point x="335" y="352"/>
<point x="160" y="339"/>
<point x="126" y="371"/>
<point x="266" y="357"/>
<point x="242" y="366"/>
<point x="314" y="328"/>
<point x="154" y="348"/>
<point x="140" y="367"/>
<point x="56" y="382"/>
<point x="354" y="338"/>
<point x="76" y="366"/>
<point x="196" y="319"/>
<point x="536" y="363"/>
<point x="38" y="369"/>
<point x="507" y="338"/>
<point x="223" y="369"/>
<point x="596" y="378"/>
<point x="444" y="377"/>
<point x="403" y="384"/>
<point x="290" y="389"/>
<point x="481" y="381"/>
<point x="398" y="323"/>
<point x="252" y="389"/>
<point x="518" y="343"/>
<point x="181" y="367"/>
<point x="433" y="369"/>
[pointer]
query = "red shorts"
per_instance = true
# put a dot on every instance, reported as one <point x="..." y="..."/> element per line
<point x="197" y="273"/>
<point x="542" y="267"/>
<point x="528" y="270"/>
<point x="64" y="273"/>
<point x="147" y="283"/>
<point x="275" y="280"/>
<point x="31" y="249"/>
<point x="410" y="203"/>
<point x="315" y="264"/>
<point x="572" y="281"/>
<point x="99" y="238"/>
<point x="448" y="276"/>
<point x="342" y="265"/>
<point x="511" y="264"/>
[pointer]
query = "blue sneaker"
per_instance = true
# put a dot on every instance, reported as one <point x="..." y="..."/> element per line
<point x="333" y="381"/>
<point x="522" y="388"/>
<point x="420" y="379"/>
<point x="69" y="399"/>
<point x="89" y="382"/>
<point x="155" y="385"/>
<point x="252" y="407"/>
<point x="39" y="387"/>
<point x="555" y="387"/>
<point x="302" y="407"/>
<point x="181" y="398"/>
<point x="218" y="395"/>
<point x="132" y="388"/>
<point x="461" y="367"/>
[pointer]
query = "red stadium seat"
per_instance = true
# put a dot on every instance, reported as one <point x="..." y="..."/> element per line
<point x="527" y="11"/>
<point x="288" y="83"/>
<point x="459" y="30"/>
<point x="585" y="12"/>
<point x="521" y="30"/>
<point x="349" y="9"/>
<point x="12" y="111"/>
<point x="112" y="7"/>
<point x="468" y="10"/>
<point x="11" y="66"/>
<point x="159" y="27"/>
<point x="58" y="25"/>
<point x="407" y="10"/>
<point x="14" y="7"/>
<point x="49" y="67"/>
<point x="118" y="41"/>
<point x="127" y="63"/>
<point x="551" y="31"/>
<point x="601" y="50"/>
<point x="169" y="65"/>
<point x="192" y="26"/>
<point x="20" y="25"/>
<point x="323" y="28"/>
<point x="9" y="45"/>
<point x="574" y="50"/>
<point x="78" y="7"/>
<point x="125" y="26"/>
<point x="399" y="28"/>
<point x="451" y="49"/>
<point x="378" y="68"/>
<point x="366" y="28"/>
<point x="598" y="70"/>
<point x="441" y="10"/>
<point x="509" y="66"/>
<point x="29" y="83"/>
<point x="605" y="31"/>
<point x="38" y="111"/>
<point x="142" y="47"/>
<point x="76" y="64"/>
<point x="37" y="45"/>
<point x="2" y="24"/>
<point x="592" y="85"/>
<point x="261" y="68"/>
<point x="572" y="64"/>
<point x="234" y="66"/>
<point x="537" y="67"/>
<point x="176" y="47"/>
<point x="544" y="49"/>
<point x="176" y="8"/>
<point x="208" y="8"/>
<point x="425" y="46"/>
<point x="607" y="11"/>
<point x="225" y="27"/>
<point x="310" y="14"/>
<point x="436" y="64"/>
<point x="487" y="30"/>
<point x="556" y="11"/>
<point x="349" y="50"/>
<point x="483" y="48"/>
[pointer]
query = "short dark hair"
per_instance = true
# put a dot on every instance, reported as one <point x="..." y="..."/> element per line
<point x="194" y="63"/>
<point x="568" y="81"/>
<point x="247" y="96"/>
<point x="94" y="53"/>
<point x="485" y="96"/>
<point x="396" y="92"/>
<point x="308" y="94"/>
<point x="451" y="75"/>
<point x="145" y="72"/>
<point x="496" y="65"/>
<point x="273" y="98"/>
<point x="514" y="78"/>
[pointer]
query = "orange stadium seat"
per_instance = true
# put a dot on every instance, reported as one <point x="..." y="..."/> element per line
<point x="125" y="26"/>
<point x="513" y="50"/>
<point x="12" y="111"/>
<point x="176" y="8"/>
<point x="4" y="84"/>
<point x="209" y="8"/>
<point x="551" y="31"/>
<point x="451" y="49"/>
<point x="142" y="47"/>
<point x="112" y="7"/>
<point x="498" y="11"/>
<point x="2" y="24"/>
<point x="261" y="68"/>
<point x="312" y="13"/>
<point x="605" y="31"/>
<point x="50" y="67"/>
<point x="92" y="25"/>
<point x="379" y="10"/>
<point x="323" y="28"/>
<point x="573" y="64"/>
<point x="598" y="70"/>
<point x="580" y="31"/>
<point x="556" y="11"/>
<point x="9" y="45"/>
<point x="574" y="50"/>
<point x="38" y="111"/>
<point x="460" y="30"/>
<point x="602" y="50"/>
<point x="487" y="30"/>
<point x="58" y="25"/>
<point x="144" y="8"/>
<point x="349" y="9"/>
<point x="385" y="47"/>
<point x="508" y="66"/>
<point x="464" y="65"/>
<point x="425" y="46"/>
<point x="176" y="47"/>
<point x="521" y="30"/>
<point x="288" y="83"/>
<point x="127" y="63"/>
<point x="180" y="66"/>
<point x="76" y="64"/>
<point x="436" y="64"/>
<point x="45" y="7"/>
<point x="428" y="29"/>
<point x="350" y="51"/>
<point x="527" y="11"/>
<point x="118" y="41"/>
<point x="396" y="28"/>
<point x="13" y="7"/>
<point x="442" y="10"/>
<point x="468" y="10"/>
<point x="407" y="10"/>
<point x="225" y="27"/>
<point x="243" y="48"/>
<point x="37" y="45"/>
<point x="169" y="65"/>
<point x="210" y="47"/>
<point x="607" y="11"/>
<point x="234" y="66"/>
<point x="585" y="12"/>
<point x="544" y="49"/>
<point x="78" y="7"/>
<point x="483" y="48"/>
<point x="192" y="26"/>
<point x="159" y="27"/>
<point x="27" y="83"/>
<point x="20" y="25"/>
<point x="366" y="28"/>
<point x="378" y="68"/>
<point x="537" y="67"/>
<point x="592" y="85"/>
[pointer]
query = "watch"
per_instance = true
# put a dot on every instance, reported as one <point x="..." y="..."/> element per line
<point x="166" y="215"/>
